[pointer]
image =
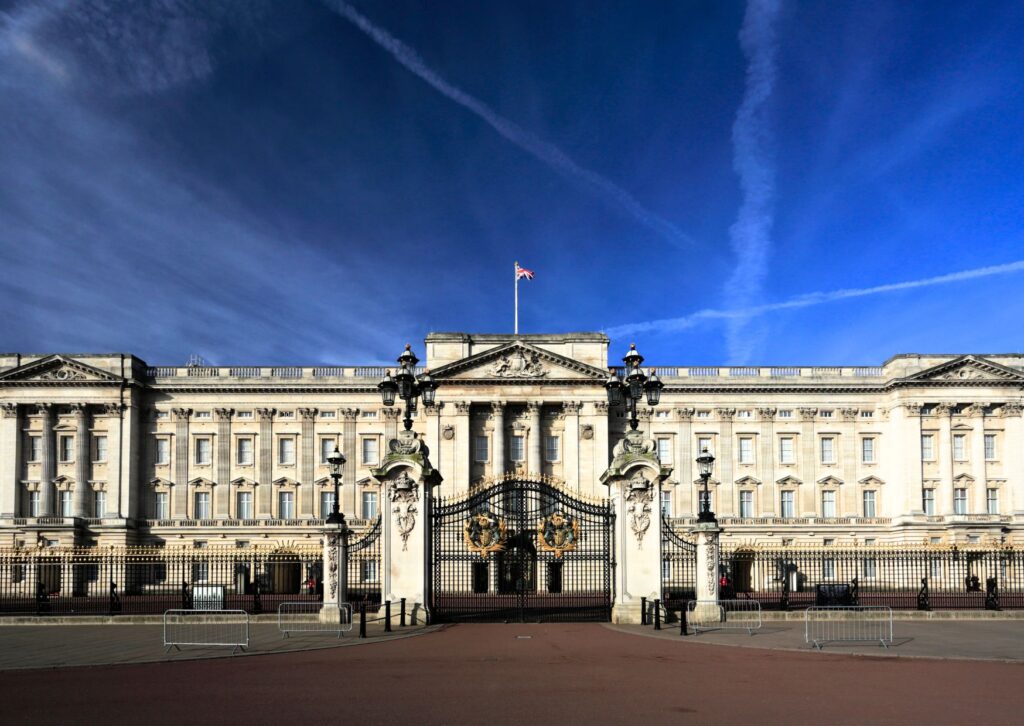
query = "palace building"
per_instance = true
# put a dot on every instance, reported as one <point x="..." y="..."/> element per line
<point x="99" y="449"/>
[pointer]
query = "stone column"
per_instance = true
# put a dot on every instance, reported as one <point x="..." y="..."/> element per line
<point x="1013" y="458"/>
<point x="847" y="505"/>
<point x="306" y="506"/>
<point x="906" y="425"/>
<point x="498" y="444"/>
<point x="571" y="444"/>
<point x="601" y="441"/>
<point x="83" y="450"/>
<point x="766" y="506"/>
<point x="121" y="500"/>
<point x="459" y="477"/>
<point x="222" y="486"/>
<point x="350" y="450"/>
<point x="944" y="453"/>
<point x="335" y="572"/>
<point x="533" y="457"/>
<point x="179" y="507"/>
<point x="684" y="499"/>
<point x="976" y="415"/>
<point x="707" y="570"/>
<point x="727" y="487"/>
<point x="10" y="460"/>
<point x="806" y="506"/>
<point x="48" y="472"/>
<point x="265" y="465"/>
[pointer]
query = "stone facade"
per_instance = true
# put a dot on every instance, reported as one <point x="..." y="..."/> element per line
<point x="105" y="449"/>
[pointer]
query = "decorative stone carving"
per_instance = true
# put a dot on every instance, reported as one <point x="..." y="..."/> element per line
<point x="639" y="495"/>
<point x="265" y="414"/>
<point x="807" y="414"/>
<point x="307" y="414"/>
<point x="10" y="410"/>
<point x="406" y="444"/>
<point x="448" y="432"/>
<point x="62" y="373"/>
<point x="391" y="414"/>
<point x="78" y="409"/>
<point x="685" y="414"/>
<point x="883" y="414"/>
<point x="497" y="407"/>
<point x="1011" y="408"/>
<point x="517" y="364"/>
<point x="848" y="414"/>
<point x="332" y="564"/>
<point x="349" y="414"/>
<point x="586" y="432"/>
<point x="725" y="414"/>
<point x="223" y="414"/>
<point x="601" y="408"/>
<point x="967" y="373"/>
<point x="114" y="409"/>
<point x="433" y="409"/>
<point x="766" y="414"/>
<point x="181" y="414"/>
<point x="634" y="443"/>
<point x="462" y="407"/>
<point x="912" y="409"/>
<point x="942" y="409"/>
<point x="571" y="408"/>
<point x="45" y="409"/>
<point x="644" y="414"/>
<point x="975" y="410"/>
<point x="711" y="563"/>
<point x="404" y="494"/>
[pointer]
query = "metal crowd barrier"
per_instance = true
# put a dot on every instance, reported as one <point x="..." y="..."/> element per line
<point x="304" y="617"/>
<point x="226" y="628"/>
<point x="848" y="624"/>
<point x="723" y="615"/>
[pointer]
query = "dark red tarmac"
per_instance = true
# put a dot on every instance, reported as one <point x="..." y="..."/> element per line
<point x="485" y="674"/>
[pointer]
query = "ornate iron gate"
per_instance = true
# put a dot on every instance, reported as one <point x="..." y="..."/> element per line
<point x="678" y="568"/>
<point x="521" y="550"/>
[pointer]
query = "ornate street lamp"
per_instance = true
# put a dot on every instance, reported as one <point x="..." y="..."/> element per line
<point x="336" y="461"/>
<point x="407" y="386"/>
<point x="705" y="463"/>
<point x="635" y="386"/>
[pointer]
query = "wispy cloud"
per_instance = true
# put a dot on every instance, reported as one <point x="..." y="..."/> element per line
<point x="667" y="325"/>
<point x="540" y="149"/>
<point x="750" y="234"/>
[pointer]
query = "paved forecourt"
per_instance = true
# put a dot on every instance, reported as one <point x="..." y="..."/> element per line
<point x="514" y="674"/>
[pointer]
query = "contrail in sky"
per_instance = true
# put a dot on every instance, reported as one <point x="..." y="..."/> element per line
<point x="750" y="234"/>
<point x="542" y="150"/>
<point x="667" y="325"/>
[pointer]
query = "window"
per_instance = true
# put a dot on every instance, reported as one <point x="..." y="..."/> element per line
<point x="99" y="448"/>
<point x="480" y="453"/>
<point x="959" y="501"/>
<point x="867" y="414"/>
<point x="286" y="451"/>
<point x="516" y="449"/>
<point x="65" y="504"/>
<point x="928" y="501"/>
<point x="703" y="442"/>
<point x="786" y="414"/>
<point x="286" y="505"/>
<point x="368" y="571"/>
<point x="35" y="448"/>
<point x="203" y="415"/>
<point x="959" y="452"/>
<point x="328" y="414"/>
<point x="746" y="450"/>
<point x="828" y="504"/>
<point x="204" y="451"/>
<point x="666" y="504"/>
<point x="368" y="414"/>
<point x="704" y="414"/>
<point x="828" y="568"/>
<point x="243" y="414"/>
<point x="744" y="414"/>
<point x="786" y="450"/>
<point x="869" y="504"/>
<point x="163" y="415"/>
<point x="826" y="413"/>
<point x="369" y="505"/>
<point x="927" y="447"/>
<point x="665" y="450"/>
<point x="746" y="504"/>
<point x="990" y="447"/>
<point x="163" y="451"/>
<point x="787" y="505"/>
<point x="327" y="446"/>
<point x="867" y="450"/>
<point x="828" y="450"/>
<point x="326" y="504"/>
<point x="992" y="501"/>
<point x="550" y="448"/>
<point x="286" y="414"/>
<point x="161" y="506"/>
<point x="202" y="510"/>
<point x="243" y="502"/>
<point x="99" y="503"/>
<point x="33" y="504"/>
<point x="369" y="445"/>
<point x="244" y="452"/>
<point x="67" y="448"/>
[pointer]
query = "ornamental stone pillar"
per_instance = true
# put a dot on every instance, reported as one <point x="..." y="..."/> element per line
<point x="407" y="479"/>
<point x="498" y="457"/>
<point x="222" y="490"/>
<point x="48" y="472"/>
<point x="10" y="460"/>
<point x="335" y="572"/>
<point x="80" y="496"/>
<point x="265" y="470"/>
<point x="533" y="460"/>
<point x="707" y="534"/>
<point x="634" y="480"/>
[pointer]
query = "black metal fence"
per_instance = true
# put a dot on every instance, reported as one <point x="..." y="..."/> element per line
<point x="364" y="567"/>
<point x="678" y="568"/>
<point x="900" y="577"/>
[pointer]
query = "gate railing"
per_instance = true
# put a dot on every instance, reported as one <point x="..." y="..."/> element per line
<point x="678" y="568"/>
<point x="364" y="563"/>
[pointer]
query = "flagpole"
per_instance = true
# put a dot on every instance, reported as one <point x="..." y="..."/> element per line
<point x="515" y="273"/>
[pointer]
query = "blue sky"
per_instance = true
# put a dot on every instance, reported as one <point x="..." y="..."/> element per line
<point x="320" y="182"/>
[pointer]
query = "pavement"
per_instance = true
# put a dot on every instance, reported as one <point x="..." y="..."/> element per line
<point x="521" y="673"/>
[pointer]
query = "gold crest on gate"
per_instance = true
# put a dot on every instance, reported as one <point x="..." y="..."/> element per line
<point x="558" y="533"/>
<point x="484" y="533"/>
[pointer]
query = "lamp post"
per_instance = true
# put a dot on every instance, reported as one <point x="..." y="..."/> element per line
<point x="336" y="461"/>
<point x="705" y="463"/>
<point x="635" y="386"/>
<point x="407" y="386"/>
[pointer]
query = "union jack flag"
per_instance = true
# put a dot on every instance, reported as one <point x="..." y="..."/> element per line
<point x="522" y="272"/>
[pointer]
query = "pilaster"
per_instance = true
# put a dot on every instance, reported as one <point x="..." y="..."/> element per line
<point x="10" y="460"/>
<point x="48" y="470"/>
<point x="498" y="443"/>
<point x="222" y="490"/>
<point x="265" y="464"/>
<point x="306" y="506"/>
<point x="533" y="457"/>
<point x="976" y="418"/>
<point x="83" y="449"/>
<point x="684" y="500"/>
<point x="350" y="451"/>
<point x="944" y="452"/>
<point x="847" y="505"/>
<point x="727" y="488"/>
<point x="571" y="444"/>
<point x="766" y="506"/>
<point x="807" y="506"/>
<point x="1013" y="456"/>
<point x="460" y="475"/>
<point x="122" y="500"/>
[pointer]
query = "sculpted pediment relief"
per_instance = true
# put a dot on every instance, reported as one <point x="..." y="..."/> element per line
<point x="56" y="369"/>
<point x="518" y="362"/>
<point x="789" y="481"/>
<point x="871" y="481"/>
<point x="969" y="368"/>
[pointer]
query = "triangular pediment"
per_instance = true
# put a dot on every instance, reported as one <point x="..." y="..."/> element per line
<point x="871" y="481"/>
<point x="243" y="481"/>
<point x="519" y="362"/>
<point x="830" y="481"/>
<point x="201" y="481"/>
<point x="748" y="481"/>
<point x="969" y="368"/>
<point x="791" y="481"/>
<point x="57" y="370"/>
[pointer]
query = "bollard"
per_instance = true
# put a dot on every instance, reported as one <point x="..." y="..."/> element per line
<point x="401" y="617"/>
<point x="657" y="614"/>
<point x="362" y="620"/>
<point x="682" y="621"/>
<point x="643" y="611"/>
<point x="387" y="617"/>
